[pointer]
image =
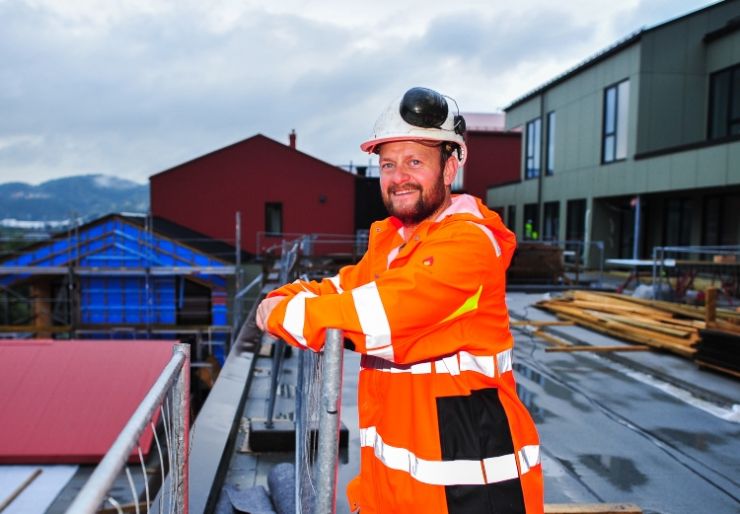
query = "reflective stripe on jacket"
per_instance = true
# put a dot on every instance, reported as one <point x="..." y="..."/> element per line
<point x="441" y="426"/>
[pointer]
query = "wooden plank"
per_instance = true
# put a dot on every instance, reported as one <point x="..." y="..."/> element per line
<point x="631" y="336"/>
<point x="710" y="307"/>
<point x="592" y="508"/>
<point x="599" y="349"/>
<point x="534" y="323"/>
<point x="728" y="371"/>
<point x="653" y="325"/>
<point x="551" y="338"/>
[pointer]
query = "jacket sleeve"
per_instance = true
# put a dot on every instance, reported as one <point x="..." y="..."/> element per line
<point x="390" y="316"/>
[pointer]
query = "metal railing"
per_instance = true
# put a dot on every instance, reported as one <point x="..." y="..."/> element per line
<point x="353" y="245"/>
<point x="709" y="258"/>
<point x="317" y="408"/>
<point x="327" y="454"/>
<point x="169" y="396"/>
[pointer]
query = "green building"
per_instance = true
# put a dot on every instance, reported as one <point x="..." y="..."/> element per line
<point x="639" y="146"/>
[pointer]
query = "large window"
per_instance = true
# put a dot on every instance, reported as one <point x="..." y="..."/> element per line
<point x="531" y="221"/>
<point x="616" y="103"/>
<point x="551" y="224"/>
<point x="274" y="218"/>
<point x="677" y="226"/>
<point x="575" y="229"/>
<point x="550" y="155"/>
<point x="719" y="226"/>
<point x="575" y="221"/>
<point x="724" y="103"/>
<point x="532" y="158"/>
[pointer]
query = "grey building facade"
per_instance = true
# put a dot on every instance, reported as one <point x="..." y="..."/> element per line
<point x="638" y="146"/>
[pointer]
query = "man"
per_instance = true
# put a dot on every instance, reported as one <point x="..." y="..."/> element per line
<point x="441" y="426"/>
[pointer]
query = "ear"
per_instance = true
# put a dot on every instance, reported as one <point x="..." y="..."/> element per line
<point x="450" y="171"/>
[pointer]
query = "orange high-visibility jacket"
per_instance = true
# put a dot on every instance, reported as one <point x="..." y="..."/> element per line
<point x="441" y="426"/>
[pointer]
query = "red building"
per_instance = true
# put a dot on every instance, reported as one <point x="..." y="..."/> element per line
<point x="276" y="188"/>
<point x="494" y="155"/>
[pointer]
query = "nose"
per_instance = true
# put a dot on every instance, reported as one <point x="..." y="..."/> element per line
<point x="400" y="175"/>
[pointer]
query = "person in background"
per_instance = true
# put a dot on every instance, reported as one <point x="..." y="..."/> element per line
<point x="442" y="429"/>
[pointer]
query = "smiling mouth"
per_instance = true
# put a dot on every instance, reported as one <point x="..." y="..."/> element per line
<point x="404" y="192"/>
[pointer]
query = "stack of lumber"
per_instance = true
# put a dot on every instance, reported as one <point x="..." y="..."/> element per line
<point x="636" y="320"/>
<point x="719" y="350"/>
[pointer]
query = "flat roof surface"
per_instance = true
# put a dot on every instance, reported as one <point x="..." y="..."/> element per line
<point x="67" y="401"/>
<point x="646" y="428"/>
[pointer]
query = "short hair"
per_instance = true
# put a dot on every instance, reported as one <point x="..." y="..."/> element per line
<point x="446" y="149"/>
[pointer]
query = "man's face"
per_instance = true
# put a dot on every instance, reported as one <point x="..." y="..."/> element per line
<point x="412" y="184"/>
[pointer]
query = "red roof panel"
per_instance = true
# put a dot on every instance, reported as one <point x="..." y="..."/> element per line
<point x="67" y="401"/>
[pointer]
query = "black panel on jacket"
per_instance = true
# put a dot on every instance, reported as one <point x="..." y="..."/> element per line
<point x="474" y="428"/>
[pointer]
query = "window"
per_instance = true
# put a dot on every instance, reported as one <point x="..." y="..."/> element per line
<point x="719" y="227"/>
<point x="532" y="160"/>
<point x="551" y="228"/>
<point x="531" y="221"/>
<point x="575" y="230"/>
<point x="550" y="156"/>
<point x="511" y="218"/>
<point x="576" y="220"/>
<point x="677" y="226"/>
<point x="724" y="103"/>
<point x="616" y="102"/>
<point x="274" y="218"/>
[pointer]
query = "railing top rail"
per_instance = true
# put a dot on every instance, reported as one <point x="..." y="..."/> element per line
<point x="93" y="493"/>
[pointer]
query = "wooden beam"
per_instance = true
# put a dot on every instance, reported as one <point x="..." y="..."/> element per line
<point x="534" y="323"/>
<point x="589" y="348"/>
<point x="728" y="371"/>
<point x="551" y="338"/>
<point x="710" y="306"/>
<point x="592" y="508"/>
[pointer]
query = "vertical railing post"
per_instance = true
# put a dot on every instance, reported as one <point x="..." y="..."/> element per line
<point x="181" y="422"/>
<point x="329" y="417"/>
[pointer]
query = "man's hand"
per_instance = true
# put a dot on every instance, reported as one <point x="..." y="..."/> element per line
<point x="265" y="309"/>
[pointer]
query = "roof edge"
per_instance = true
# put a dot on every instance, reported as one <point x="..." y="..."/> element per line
<point x="605" y="53"/>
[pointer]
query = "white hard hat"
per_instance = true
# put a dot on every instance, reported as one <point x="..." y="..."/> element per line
<point x="421" y="114"/>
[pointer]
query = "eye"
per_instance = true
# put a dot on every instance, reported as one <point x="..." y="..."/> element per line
<point x="415" y="162"/>
<point x="386" y="165"/>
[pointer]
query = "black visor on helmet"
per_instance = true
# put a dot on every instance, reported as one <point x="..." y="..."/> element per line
<point x="425" y="108"/>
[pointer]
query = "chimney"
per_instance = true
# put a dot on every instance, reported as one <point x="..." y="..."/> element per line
<point x="292" y="139"/>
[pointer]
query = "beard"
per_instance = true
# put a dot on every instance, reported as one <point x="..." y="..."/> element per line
<point x="428" y="203"/>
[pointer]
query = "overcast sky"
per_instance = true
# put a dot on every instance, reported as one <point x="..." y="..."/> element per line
<point x="133" y="87"/>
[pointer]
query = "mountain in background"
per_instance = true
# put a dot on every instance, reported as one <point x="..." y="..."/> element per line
<point x="82" y="196"/>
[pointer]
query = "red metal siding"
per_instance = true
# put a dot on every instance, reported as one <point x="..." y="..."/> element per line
<point x="67" y="401"/>
<point x="494" y="159"/>
<point x="205" y="194"/>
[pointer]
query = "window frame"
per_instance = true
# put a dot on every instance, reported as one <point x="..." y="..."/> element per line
<point x="550" y="142"/>
<point x="269" y="206"/>
<point x="615" y="132"/>
<point x="728" y="122"/>
<point x="532" y="148"/>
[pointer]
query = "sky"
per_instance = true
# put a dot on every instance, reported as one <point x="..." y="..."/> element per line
<point x="130" y="88"/>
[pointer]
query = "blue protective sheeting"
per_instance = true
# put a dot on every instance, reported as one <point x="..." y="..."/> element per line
<point x="129" y="294"/>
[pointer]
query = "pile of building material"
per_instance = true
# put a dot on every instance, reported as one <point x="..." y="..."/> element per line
<point x="535" y="263"/>
<point x="658" y="324"/>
